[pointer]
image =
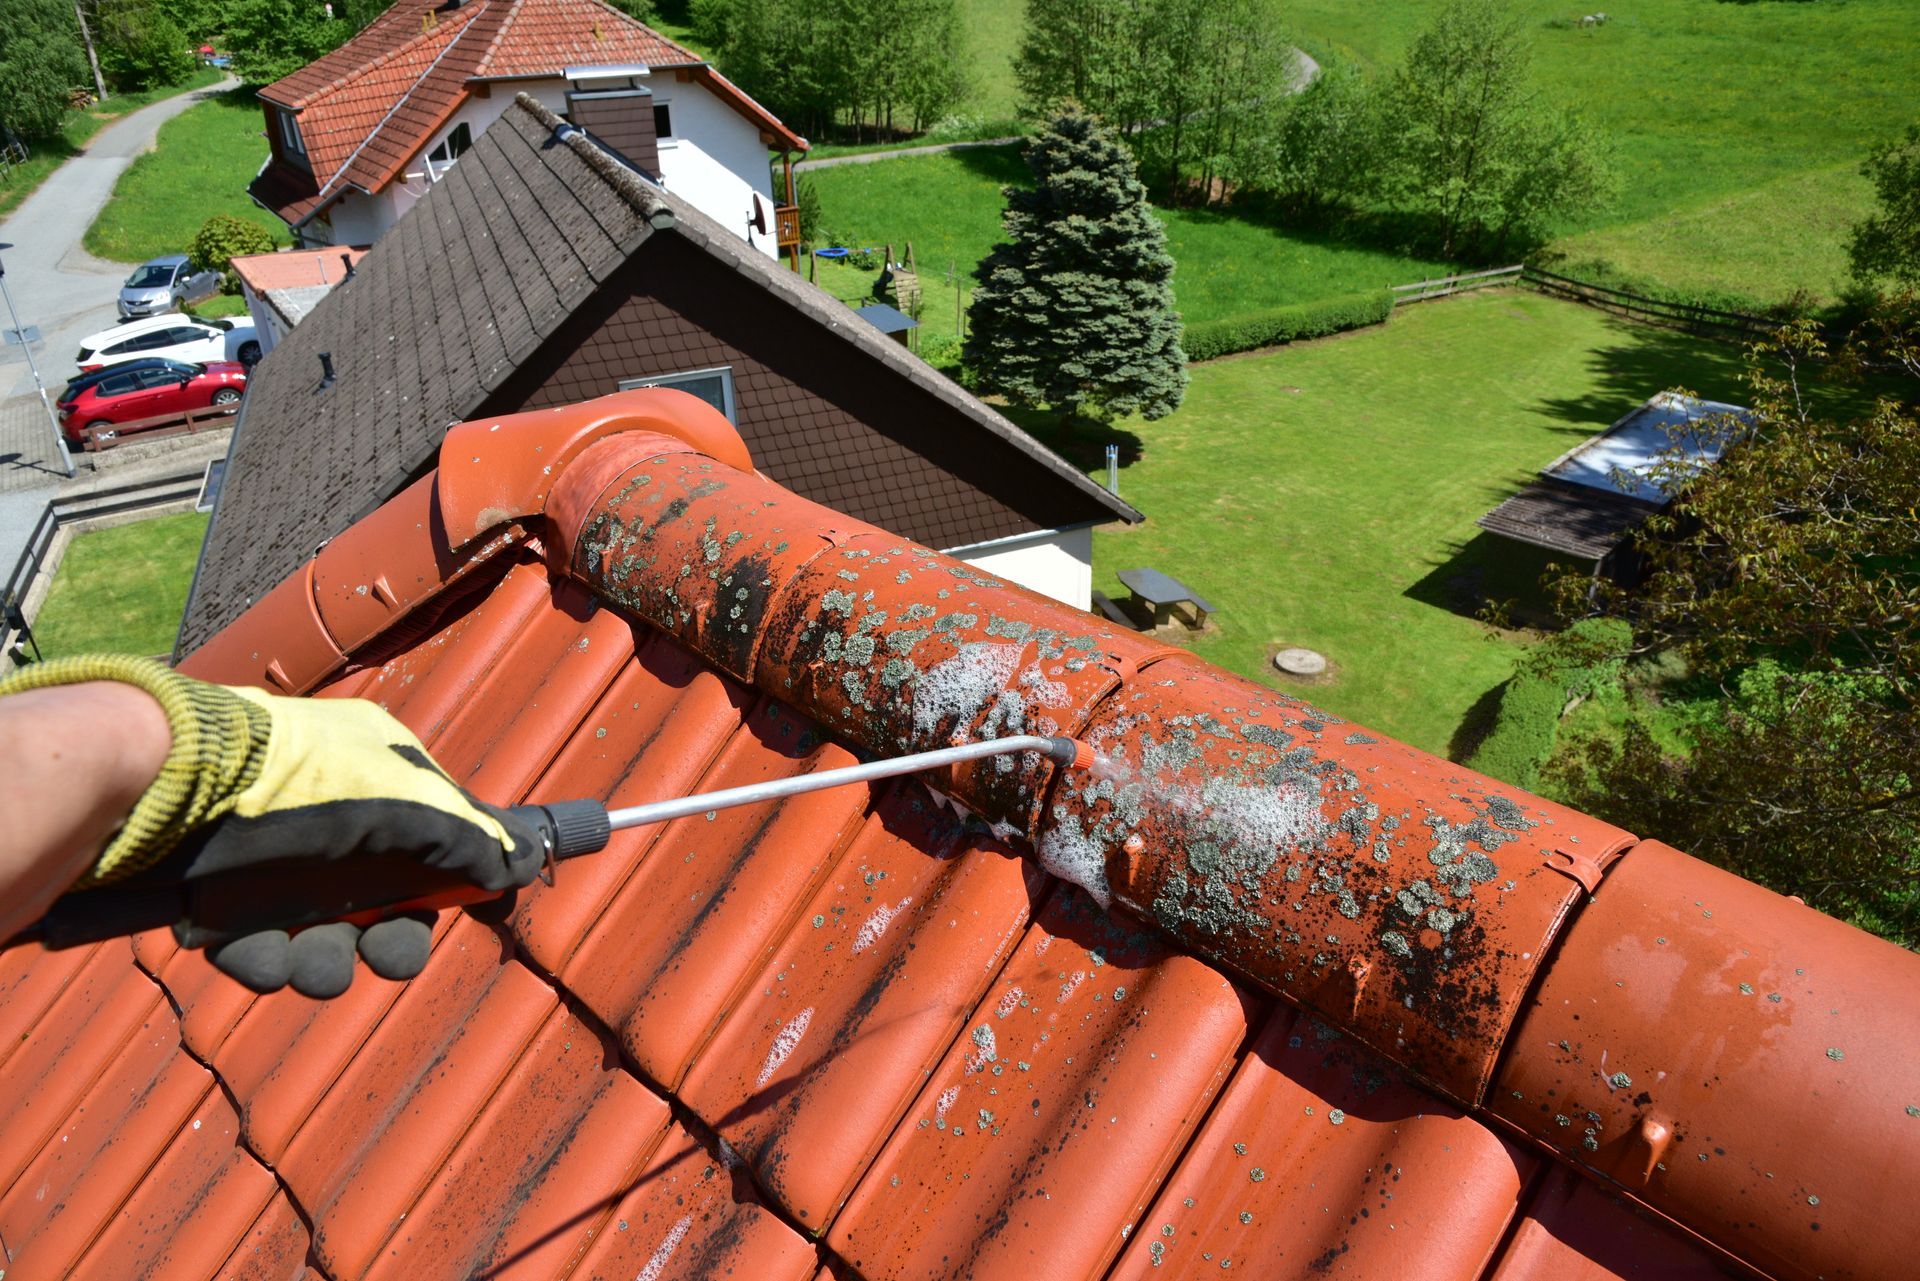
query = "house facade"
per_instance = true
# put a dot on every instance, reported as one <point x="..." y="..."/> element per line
<point x="357" y="137"/>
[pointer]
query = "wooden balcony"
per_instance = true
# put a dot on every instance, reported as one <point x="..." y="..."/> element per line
<point x="786" y="225"/>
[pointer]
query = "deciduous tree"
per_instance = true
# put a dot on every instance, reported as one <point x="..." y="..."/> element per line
<point x="1075" y="309"/>
<point x="40" y="65"/>
<point x="1886" y="245"/>
<point x="1472" y="145"/>
<point x="1790" y="574"/>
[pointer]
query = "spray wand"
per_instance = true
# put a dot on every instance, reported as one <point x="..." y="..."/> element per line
<point x="295" y="895"/>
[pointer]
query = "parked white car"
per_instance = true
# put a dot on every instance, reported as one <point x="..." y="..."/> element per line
<point x="173" y="337"/>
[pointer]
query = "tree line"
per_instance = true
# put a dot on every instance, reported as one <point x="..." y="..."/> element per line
<point x="865" y="68"/>
<point x="1458" y="138"/>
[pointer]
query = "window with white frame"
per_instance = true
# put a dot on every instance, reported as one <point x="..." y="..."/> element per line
<point x="715" y="386"/>
<point x="451" y="148"/>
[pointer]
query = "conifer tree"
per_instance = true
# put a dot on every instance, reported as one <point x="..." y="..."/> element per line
<point x="1075" y="309"/>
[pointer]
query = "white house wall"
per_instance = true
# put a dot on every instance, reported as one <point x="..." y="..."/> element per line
<point x="717" y="174"/>
<point x="1056" y="563"/>
<point x="720" y="174"/>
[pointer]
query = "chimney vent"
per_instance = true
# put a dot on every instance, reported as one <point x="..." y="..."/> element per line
<point x="346" y="260"/>
<point x="326" y="370"/>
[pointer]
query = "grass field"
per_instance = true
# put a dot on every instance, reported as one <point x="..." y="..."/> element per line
<point x="1360" y="464"/>
<point x="201" y="165"/>
<point x="949" y="207"/>
<point x="78" y="130"/>
<point x="1738" y="126"/>
<point x="121" y="590"/>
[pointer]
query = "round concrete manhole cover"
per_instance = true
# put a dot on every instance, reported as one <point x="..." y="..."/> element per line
<point x="1300" y="662"/>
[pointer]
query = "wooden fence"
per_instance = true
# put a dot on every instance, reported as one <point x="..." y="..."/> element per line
<point x="107" y="435"/>
<point x="1710" y="320"/>
<point x="1640" y="307"/>
<point x="1447" y="286"/>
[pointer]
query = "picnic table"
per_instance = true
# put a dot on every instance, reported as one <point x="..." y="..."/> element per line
<point x="1160" y="592"/>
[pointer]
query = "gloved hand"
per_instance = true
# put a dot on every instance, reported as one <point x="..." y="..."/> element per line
<point x="326" y="793"/>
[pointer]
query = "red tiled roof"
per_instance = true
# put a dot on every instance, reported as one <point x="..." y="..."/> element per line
<point x="544" y="37"/>
<point x="367" y="108"/>
<point x="852" y="1030"/>
<point x="293" y="268"/>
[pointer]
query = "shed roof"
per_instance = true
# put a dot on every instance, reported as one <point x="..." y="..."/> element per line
<point x="854" y="1030"/>
<point x="501" y="257"/>
<point x="1579" y="520"/>
<point x="1587" y="501"/>
<point x="886" y="318"/>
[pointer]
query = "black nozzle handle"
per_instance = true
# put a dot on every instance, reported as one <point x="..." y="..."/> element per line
<point x="571" y="828"/>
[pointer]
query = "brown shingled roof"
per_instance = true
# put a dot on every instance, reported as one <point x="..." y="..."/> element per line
<point x="490" y="274"/>
<point x="1269" y="995"/>
<point x="368" y="107"/>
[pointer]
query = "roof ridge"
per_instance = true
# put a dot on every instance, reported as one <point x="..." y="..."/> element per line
<point x="398" y="103"/>
<point x="481" y="69"/>
<point x="1498" y="948"/>
<point x="465" y="15"/>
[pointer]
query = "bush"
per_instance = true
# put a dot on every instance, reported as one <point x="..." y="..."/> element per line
<point x="1286" y="324"/>
<point x="221" y="239"/>
<point x="1580" y="662"/>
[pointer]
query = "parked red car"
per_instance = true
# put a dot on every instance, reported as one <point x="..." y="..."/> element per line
<point x="149" y="391"/>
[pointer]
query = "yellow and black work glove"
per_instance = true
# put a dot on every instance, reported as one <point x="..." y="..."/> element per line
<point x="289" y="810"/>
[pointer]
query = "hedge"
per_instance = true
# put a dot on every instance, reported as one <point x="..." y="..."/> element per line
<point x="1587" y="658"/>
<point x="1286" y="324"/>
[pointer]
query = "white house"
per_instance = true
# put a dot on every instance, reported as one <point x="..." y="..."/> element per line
<point x="361" y="134"/>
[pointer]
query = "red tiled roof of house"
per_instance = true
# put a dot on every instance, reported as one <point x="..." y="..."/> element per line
<point x="1350" y="1010"/>
<point x="294" y="268"/>
<point x="543" y="37"/>
<point x="369" y="106"/>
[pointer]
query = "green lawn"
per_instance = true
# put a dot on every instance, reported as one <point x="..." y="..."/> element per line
<point x="1737" y="125"/>
<point x="78" y="130"/>
<point x="949" y="207"/>
<point x="201" y="165"/>
<point x="122" y="590"/>
<point x="1325" y="494"/>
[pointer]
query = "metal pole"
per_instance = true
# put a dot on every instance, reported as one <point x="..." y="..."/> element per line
<point x="59" y="437"/>
<point x="1113" y="470"/>
<point x="1063" y="751"/>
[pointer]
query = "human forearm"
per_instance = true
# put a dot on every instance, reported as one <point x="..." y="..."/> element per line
<point x="73" y="760"/>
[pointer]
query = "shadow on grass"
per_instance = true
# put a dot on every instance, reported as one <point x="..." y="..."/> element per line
<point x="1643" y="361"/>
<point x="1003" y="165"/>
<point x="1081" y="441"/>
<point x="1476" y="724"/>
<point x="1485" y="569"/>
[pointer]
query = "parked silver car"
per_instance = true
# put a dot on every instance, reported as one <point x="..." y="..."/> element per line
<point x="164" y="284"/>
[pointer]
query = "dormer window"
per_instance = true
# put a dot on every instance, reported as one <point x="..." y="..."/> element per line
<point x="451" y="148"/>
<point x="290" y="144"/>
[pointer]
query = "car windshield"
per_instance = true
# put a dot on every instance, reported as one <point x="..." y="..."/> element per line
<point x="151" y="276"/>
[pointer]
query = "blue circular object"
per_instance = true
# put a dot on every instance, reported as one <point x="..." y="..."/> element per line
<point x="836" y="252"/>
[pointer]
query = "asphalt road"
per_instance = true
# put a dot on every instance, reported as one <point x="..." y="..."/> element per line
<point x="56" y="284"/>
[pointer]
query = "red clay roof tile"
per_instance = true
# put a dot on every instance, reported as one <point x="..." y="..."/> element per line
<point x="692" y="1216"/>
<point x="835" y="1034"/>
<point x="1038" y="1141"/>
<point x="1320" y="1161"/>
<point x="837" y="984"/>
